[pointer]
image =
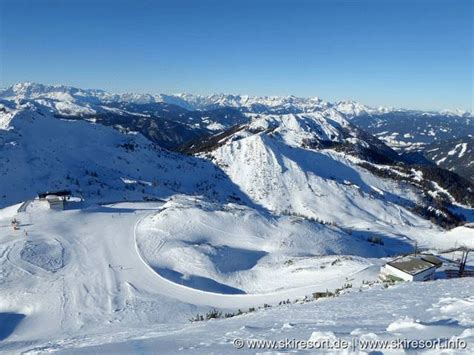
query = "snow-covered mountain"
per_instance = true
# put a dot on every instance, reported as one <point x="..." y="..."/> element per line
<point x="301" y="164"/>
<point x="287" y="198"/>
<point x="404" y="130"/>
<point x="246" y="103"/>
<point x="424" y="136"/>
<point x="299" y="137"/>
<point x="33" y="91"/>
<point x="156" y="117"/>
<point x="40" y="152"/>
<point x="408" y="131"/>
<point x="455" y="154"/>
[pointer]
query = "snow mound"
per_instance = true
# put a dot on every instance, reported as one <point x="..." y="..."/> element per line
<point x="234" y="249"/>
<point x="46" y="254"/>
<point x="404" y="324"/>
<point x="460" y="308"/>
<point x="321" y="336"/>
<point x="467" y="333"/>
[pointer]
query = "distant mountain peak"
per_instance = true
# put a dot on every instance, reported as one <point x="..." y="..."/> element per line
<point x="275" y="104"/>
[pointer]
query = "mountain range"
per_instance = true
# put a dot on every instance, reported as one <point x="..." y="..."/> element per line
<point x="185" y="208"/>
<point x="175" y="120"/>
<point x="283" y="133"/>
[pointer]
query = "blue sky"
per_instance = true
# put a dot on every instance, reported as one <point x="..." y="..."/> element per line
<point x="405" y="53"/>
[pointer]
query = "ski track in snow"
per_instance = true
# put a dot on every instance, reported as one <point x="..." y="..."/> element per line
<point x="103" y="274"/>
<point x="106" y="292"/>
<point x="195" y="296"/>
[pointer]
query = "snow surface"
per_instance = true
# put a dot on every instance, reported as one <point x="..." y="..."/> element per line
<point x="112" y="288"/>
<point x="235" y="250"/>
<point x="442" y="309"/>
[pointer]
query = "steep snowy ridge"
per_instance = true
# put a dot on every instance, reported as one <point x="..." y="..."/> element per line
<point x="304" y="163"/>
<point x="273" y="167"/>
<point x="325" y="128"/>
<point x="297" y="128"/>
<point x="6" y="115"/>
<point x="40" y="152"/>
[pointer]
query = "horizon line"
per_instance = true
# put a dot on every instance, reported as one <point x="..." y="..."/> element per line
<point x="176" y="94"/>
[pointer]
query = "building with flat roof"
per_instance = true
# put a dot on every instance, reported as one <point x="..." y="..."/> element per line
<point x="411" y="268"/>
<point x="56" y="199"/>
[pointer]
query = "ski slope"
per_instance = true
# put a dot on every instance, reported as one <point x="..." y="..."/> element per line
<point x="237" y="252"/>
<point x="411" y="311"/>
<point x="102" y="285"/>
<point x="79" y="277"/>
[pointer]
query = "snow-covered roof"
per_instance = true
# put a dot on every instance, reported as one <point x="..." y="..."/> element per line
<point x="53" y="199"/>
<point x="432" y="259"/>
<point x="411" y="264"/>
<point x="62" y="193"/>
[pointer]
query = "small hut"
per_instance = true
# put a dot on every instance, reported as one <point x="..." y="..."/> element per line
<point x="411" y="268"/>
<point x="55" y="199"/>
